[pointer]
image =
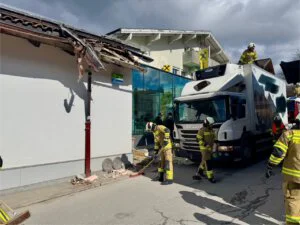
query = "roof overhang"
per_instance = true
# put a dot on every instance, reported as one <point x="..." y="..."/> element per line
<point x="93" y="48"/>
<point x="184" y="36"/>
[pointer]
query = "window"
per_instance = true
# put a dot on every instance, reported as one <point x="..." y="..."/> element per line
<point x="211" y="72"/>
<point x="238" y="107"/>
<point x="153" y="92"/>
<point x="197" y="110"/>
<point x="175" y="70"/>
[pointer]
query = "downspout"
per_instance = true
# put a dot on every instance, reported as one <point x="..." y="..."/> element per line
<point x="88" y="128"/>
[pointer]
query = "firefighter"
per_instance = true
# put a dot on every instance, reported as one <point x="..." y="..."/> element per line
<point x="206" y="139"/>
<point x="277" y="128"/>
<point x="162" y="141"/>
<point x="287" y="148"/>
<point x="249" y="55"/>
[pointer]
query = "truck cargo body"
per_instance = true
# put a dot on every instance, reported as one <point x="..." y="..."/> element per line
<point x="242" y="99"/>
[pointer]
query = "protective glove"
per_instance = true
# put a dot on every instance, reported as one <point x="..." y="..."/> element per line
<point x="269" y="171"/>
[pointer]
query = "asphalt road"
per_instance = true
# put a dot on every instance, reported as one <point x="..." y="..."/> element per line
<point x="241" y="196"/>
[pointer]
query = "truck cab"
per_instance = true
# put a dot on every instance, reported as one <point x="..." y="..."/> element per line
<point x="242" y="99"/>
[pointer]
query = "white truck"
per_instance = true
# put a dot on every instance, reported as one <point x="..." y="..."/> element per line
<point x="291" y="71"/>
<point x="242" y="99"/>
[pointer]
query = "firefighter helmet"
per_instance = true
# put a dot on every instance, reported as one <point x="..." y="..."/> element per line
<point x="251" y="45"/>
<point x="210" y="120"/>
<point x="150" y="126"/>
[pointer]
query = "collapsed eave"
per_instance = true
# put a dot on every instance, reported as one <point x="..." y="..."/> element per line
<point x="42" y="31"/>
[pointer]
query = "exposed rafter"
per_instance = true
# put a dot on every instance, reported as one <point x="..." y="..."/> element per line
<point x="174" y="38"/>
<point x="188" y="38"/>
<point x="153" y="38"/>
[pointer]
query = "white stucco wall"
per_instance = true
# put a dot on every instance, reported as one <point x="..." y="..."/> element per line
<point x="36" y="128"/>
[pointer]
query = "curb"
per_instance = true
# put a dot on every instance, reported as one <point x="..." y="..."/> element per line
<point x="75" y="190"/>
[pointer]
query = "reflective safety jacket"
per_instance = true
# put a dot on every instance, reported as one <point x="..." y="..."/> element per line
<point x="206" y="138"/>
<point x="162" y="138"/>
<point x="248" y="57"/>
<point x="287" y="148"/>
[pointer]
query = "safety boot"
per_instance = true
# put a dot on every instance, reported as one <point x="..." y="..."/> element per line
<point x="167" y="182"/>
<point x="197" y="176"/>
<point x="212" y="180"/>
<point x="201" y="172"/>
<point x="159" y="177"/>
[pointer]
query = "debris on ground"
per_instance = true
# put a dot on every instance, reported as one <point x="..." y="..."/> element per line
<point x="9" y="217"/>
<point x="182" y="161"/>
<point x="117" y="173"/>
<point x="139" y="155"/>
<point x="78" y="179"/>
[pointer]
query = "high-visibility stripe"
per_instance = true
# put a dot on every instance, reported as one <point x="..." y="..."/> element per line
<point x="161" y="170"/>
<point x="292" y="219"/>
<point x="208" y="133"/>
<point x="202" y="148"/>
<point x="201" y="142"/>
<point x="278" y="143"/>
<point x="167" y="135"/>
<point x="296" y="139"/>
<point x="281" y="146"/>
<point x="291" y="172"/>
<point x="209" y="174"/>
<point x="4" y="216"/>
<point x="275" y="160"/>
<point x="169" y="175"/>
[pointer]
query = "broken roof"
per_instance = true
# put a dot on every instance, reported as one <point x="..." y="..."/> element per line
<point x="92" y="47"/>
<point x="185" y="36"/>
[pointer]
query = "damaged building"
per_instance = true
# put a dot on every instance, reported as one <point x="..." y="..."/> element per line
<point x="66" y="99"/>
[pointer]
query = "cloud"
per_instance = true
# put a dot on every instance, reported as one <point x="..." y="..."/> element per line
<point x="272" y="25"/>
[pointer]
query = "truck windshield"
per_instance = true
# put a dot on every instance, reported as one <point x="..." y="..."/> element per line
<point x="197" y="110"/>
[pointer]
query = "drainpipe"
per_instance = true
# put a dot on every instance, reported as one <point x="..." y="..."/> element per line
<point x="88" y="128"/>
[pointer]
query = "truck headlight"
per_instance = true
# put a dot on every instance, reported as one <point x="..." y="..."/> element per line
<point x="225" y="148"/>
<point x="177" y="145"/>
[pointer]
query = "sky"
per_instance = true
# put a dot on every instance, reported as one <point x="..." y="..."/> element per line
<point x="273" y="25"/>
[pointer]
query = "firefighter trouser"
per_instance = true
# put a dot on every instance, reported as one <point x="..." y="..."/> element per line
<point x="206" y="163"/>
<point x="166" y="163"/>
<point x="4" y="217"/>
<point x="291" y="192"/>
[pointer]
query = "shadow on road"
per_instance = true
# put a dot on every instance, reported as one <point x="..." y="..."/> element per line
<point x="241" y="195"/>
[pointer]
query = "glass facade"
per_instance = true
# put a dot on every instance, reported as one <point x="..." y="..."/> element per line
<point x="153" y="92"/>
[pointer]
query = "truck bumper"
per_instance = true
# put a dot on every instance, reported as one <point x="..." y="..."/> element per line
<point x="228" y="153"/>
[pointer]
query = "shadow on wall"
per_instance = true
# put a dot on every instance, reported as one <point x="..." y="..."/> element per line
<point x="22" y="59"/>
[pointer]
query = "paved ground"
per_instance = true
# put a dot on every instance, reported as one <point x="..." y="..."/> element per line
<point x="242" y="196"/>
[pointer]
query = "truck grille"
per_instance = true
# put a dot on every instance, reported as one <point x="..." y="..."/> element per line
<point x="189" y="141"/>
